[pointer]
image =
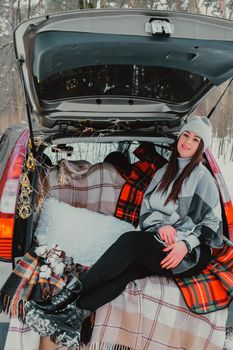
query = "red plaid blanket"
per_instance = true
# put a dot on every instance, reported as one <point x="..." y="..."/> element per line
<point x="212" y="289"/>
<point x="131" y="196"/>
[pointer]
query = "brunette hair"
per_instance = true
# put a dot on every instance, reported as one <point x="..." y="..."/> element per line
<point x="172" y="169"/>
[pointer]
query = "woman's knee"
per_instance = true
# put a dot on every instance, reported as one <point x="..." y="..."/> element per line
<point x="128" y="236"/>
<point x="135" y="237"/>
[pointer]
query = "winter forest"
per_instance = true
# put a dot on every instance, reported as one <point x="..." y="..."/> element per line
<point x="12" y="12"/>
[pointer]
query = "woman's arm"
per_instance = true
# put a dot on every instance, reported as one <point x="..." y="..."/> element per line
<point x="209" y="229"/>
<point x="204" y="216"/>
<point x="205" y="213"/>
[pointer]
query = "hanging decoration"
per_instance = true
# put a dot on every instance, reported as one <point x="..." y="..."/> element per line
<point x="24" y="207"/>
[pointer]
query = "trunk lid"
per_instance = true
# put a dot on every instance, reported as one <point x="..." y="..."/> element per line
<point x="106" y="66"/>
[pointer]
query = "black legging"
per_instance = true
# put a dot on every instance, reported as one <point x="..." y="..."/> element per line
<point x="134" y="255"/>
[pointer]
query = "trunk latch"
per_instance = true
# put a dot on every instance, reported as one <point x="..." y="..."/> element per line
<point x="63" y="128"/>
<point x="159" y="27"/>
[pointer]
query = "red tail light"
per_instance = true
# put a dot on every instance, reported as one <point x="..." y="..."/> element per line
<point x="9" y="188"/>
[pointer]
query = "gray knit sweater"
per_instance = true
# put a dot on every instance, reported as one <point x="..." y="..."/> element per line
<point x="196" y="214"/>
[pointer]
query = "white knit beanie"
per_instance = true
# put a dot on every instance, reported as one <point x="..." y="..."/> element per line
<point x="200" y="126"/>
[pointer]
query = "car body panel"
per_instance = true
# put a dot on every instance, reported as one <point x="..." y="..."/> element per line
<point x="7" y="143"/>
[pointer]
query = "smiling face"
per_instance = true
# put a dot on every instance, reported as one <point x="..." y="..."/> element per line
<point x="188" y="144"/>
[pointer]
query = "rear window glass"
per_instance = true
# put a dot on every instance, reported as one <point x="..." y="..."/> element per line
<point x="157" y="83"/>
<point x="95" y="152"/>
<point x="92" y="152"/>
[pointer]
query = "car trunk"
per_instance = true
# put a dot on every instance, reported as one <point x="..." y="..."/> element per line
<point x="95" y="174"/>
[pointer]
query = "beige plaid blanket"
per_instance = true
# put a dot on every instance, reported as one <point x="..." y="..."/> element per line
<point x="149" y="315"/>
<point x="95" y="187"/>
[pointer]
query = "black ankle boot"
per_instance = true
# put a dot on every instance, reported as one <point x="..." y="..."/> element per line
<point x="65" y="297"/>
<point x="63" y="326"/>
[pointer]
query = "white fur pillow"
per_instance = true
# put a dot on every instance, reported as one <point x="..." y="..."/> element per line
<point x="81" y="233"/>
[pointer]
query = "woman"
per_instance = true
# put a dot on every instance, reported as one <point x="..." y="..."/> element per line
<point x="180" y="223"/>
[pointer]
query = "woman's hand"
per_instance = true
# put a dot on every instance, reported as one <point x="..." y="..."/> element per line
<point x="167" y="234"/>
<point x="178" y="251"/>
